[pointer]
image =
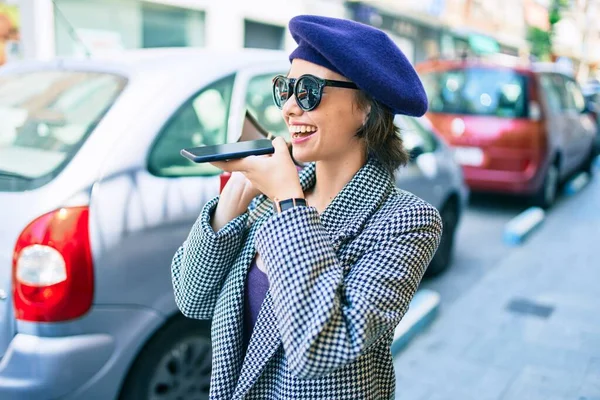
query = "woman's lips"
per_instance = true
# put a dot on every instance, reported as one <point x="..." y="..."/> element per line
<point x="302" y="138"/>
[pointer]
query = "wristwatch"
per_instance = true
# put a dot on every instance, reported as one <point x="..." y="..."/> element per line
<point x="282" y="205"/>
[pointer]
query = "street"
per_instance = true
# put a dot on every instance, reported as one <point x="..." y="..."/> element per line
<point x="481" y="225"/>
<point x="516" y="323"/>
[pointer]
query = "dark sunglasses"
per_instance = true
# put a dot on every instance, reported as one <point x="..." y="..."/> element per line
<point x="307" y="88"/>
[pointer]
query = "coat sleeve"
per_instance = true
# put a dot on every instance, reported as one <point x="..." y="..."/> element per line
<point x="201" y="264"/>
<point x="326" y="320"/>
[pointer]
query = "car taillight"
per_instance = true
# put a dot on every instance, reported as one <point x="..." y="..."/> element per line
<point x="52" y="274"/>
<point x="224" y="178"/>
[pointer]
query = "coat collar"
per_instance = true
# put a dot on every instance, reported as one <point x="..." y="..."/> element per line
<point x="343" y="219"/>
<point x="346" y="215"/>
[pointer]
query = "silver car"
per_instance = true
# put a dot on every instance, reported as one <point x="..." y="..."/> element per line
<point x="95" y="199"/>
<point x="433" y="175"/>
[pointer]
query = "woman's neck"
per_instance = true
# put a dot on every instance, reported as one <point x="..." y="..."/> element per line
<point x="331" y="177"/>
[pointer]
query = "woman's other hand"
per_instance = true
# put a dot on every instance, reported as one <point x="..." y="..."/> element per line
<point x="239" y="187"/>
<point x="274" y="175"/>
<point x="234" y="200"/>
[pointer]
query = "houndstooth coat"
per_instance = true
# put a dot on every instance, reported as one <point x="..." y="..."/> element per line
<point x="339" y="284"/>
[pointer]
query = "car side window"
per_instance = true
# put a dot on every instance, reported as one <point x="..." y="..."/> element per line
<point x="259" y="101"/>
<point x="551" y="87"/>
<point x="576" y="99"/>
<point x="566" y="101"/>
<point x="200" y="121"/>
<point x="414" y="134"/>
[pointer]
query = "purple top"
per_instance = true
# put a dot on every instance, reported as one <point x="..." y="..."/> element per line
<point x="257" y="285"/>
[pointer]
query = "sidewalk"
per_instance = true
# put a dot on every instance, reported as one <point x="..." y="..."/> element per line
<point x="529" y="329"/>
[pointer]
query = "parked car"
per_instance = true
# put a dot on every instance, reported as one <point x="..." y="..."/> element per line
<point x="591" y="92"/>
<point x="95" y="199"/>
<point x="515" y="128"/>
<point x="434" y="175"/>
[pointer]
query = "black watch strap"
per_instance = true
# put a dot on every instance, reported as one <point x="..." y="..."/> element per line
<point x="282" y="205"/>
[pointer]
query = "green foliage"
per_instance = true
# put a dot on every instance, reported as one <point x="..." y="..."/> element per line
<point x="541" y="42"/>
<point x="554" y="15"/>
<point x="556" y="8"/>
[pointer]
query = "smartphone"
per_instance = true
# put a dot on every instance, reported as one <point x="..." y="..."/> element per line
<point x="252" y="130"/>
<point x="229" y="151"/>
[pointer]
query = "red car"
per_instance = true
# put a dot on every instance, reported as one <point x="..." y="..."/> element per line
<point x="519" y="129"/>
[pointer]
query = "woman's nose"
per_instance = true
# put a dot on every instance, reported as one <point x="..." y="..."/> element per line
<point x="290" y="107"/>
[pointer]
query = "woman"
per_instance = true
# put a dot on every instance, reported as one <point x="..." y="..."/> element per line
<point x="305" y="277"/>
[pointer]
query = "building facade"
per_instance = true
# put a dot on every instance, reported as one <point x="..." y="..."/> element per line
<point x="423" y="29"/>
<point x="9" y="32"/>
<point x="503" y="22"/>
<point x="447" y="28"/>
<point x="577" y="38"/>
<point x="74" y="27"/>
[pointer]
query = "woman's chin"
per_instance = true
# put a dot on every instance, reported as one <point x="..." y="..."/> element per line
<point x="302" y="156"/>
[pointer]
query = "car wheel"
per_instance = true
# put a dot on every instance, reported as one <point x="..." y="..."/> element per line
<point x="443" y="256"/>
<point x="588" y="165"/>
<point x="174" y="365"/>
<point x="546" y="195"/>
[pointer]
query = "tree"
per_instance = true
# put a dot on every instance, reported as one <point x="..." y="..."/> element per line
<point x="541" y="43"/>
<point x="541" y="40"/>
<point x="555" y="12"/>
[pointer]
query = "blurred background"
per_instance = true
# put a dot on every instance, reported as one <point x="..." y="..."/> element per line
<point x="97" y="98"/>
<point x="547" y="29"/>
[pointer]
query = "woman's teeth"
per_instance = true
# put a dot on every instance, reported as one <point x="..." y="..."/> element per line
<point x="297" y="130"/>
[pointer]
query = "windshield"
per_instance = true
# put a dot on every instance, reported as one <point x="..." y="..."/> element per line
<point x="477" y="91"/>
<point x="46" y="115"/>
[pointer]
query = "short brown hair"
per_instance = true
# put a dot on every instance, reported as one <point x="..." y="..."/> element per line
<point x="381" y="135"/>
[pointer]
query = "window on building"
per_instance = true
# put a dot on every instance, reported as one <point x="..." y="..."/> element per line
<point x="165" y="26"/>
<point x="97" y="28"/>
<point x="263" y="36"/>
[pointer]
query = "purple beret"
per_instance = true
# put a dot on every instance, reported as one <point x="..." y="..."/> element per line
<point x="363" y="54"/>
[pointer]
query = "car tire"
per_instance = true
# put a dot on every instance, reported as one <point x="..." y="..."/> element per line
<point x="443" y="256"/>
<point x="588" y="165"/>
<point x="547" y="193"/>
<point x="175" y="364"/>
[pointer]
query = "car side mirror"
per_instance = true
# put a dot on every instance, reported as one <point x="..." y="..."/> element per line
<point x="535" y="112"/>
<point x="413" y="143"/>
<point x="416" y="151"/>
<point x="589" y="107"/>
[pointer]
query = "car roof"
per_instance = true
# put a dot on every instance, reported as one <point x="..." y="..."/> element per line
<point x="155" y="60"/>
<point x="497" y="61"/>
<point x="442" y="65"/>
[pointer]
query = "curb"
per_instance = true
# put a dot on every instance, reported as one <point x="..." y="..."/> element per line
<point x="577" y="183"/>
<point x="518" y="228"/>
<point x="423" y="309"/>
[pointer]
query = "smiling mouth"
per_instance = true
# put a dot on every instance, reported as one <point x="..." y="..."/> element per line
<point x="297" y="131"/>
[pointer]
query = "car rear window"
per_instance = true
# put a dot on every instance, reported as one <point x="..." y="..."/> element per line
<point x="477" y="91"/>
<point x="45" y="116"/>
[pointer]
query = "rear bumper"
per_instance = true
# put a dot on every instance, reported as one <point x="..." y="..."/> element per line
<point x="510" y="182"/>
<point x="40" y="368"/>
<point x="76" y="366"/>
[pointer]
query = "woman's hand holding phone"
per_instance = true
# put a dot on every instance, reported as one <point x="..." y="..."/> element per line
<point x="274" y="175"/>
